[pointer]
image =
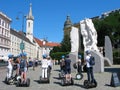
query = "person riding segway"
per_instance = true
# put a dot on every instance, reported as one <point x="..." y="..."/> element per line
<point x="9" y="78"/>
<point x="23" y="80"/>
<point x="91" y="82"/>
<point x="45" y="74"/>
<point x="62" y="67"/>
<point x="67" y="80"/>
<point x="79" y="74"/>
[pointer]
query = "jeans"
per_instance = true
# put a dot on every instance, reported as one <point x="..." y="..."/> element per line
<point x="90" y="74"/>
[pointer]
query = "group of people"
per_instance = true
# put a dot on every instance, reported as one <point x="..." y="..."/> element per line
<point x="65" y="65"/>
<point x="21" y="66"/>
<point x="21" y="63"/>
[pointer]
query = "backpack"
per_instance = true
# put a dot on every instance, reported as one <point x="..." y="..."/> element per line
<point x="92" y="60"/>
<point x="22" y="63"/>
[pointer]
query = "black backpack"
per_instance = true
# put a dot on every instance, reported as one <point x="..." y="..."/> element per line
<point x="92" y="60"/>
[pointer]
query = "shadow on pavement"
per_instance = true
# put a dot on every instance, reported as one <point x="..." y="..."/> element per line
<point x="57" y="70"/>
<point x="37" y="81"/>
<point x="57" y="78"/>
<point x="112" y="69"/>
<point x="79" y="85"/>
<point x="108" y="85"/>
<point x="57" y="83"/>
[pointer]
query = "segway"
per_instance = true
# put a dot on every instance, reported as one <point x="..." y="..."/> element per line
<point x="62" y="74"/>
<point x="20" y="83"/>
<point x="65" y="82"/>
<point x="88" y="84"/>
<point x="9" y="81"/>
<point x="45" y="80"/>
<point x="79" y="75"/>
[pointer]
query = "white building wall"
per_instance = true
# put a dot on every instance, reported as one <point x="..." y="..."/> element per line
<point x="4" y="36"/>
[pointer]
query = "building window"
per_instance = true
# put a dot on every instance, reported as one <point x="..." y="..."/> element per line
<point x="0" y="30"/>
<point x="0" y="21"/>
<point x="28" y="24"/>
<point x="3" y="23"/>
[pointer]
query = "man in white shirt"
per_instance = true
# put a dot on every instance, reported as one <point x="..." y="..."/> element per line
<point x="90" y="74"/>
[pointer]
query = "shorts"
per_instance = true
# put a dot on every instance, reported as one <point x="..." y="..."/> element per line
<point x="23" y="69"/>
<point x="68" y="71"/>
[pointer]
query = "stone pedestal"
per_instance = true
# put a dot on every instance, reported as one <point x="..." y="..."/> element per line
<point x="99" y="62"/>
<point x="74" y="58"/>
<point x="108" y="49"/>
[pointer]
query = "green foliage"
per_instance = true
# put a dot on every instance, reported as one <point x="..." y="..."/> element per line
<point x="58" y="55"/>
<point x="110" y="26"/>
<point x="58" y="51"/>
<point x="65" y="44"/>
<point x="116" y="56"/>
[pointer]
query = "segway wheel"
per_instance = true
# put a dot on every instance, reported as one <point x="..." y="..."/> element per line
<point x="72" y="81"/>
<point x="86" y="84"/>
<point x="40" y="79"/>
<point x="27" y="82"/>
<point x="63" y="82"/>
<point x="94" y="83"/>
<point x="18" y="83"/>
<point x="79" y="76"/>
<point x="59" y="75"/>
<point x="6" y="80"/>
<point x="48" y="80"/>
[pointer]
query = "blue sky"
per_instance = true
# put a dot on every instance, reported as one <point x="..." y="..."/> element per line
<point x="50" y="15"/>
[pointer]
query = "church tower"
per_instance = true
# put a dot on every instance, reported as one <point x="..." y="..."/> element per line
<point x="29" y="25"/>
<point x="67" y="26"/>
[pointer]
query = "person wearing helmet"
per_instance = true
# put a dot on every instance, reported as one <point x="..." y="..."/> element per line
<point x="10" y="66"/>
<point x="67" y="67"/>
<point x="44" y="66"/>
<point x="90" y="74"/>
<point x="23" y="67"/>
<point x="62" y="63"/>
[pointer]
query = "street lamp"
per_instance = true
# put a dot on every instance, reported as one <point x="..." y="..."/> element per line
<point x="22" y="45"/>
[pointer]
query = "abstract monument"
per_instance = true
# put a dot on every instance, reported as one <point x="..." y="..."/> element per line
<point x="90" y="43"/>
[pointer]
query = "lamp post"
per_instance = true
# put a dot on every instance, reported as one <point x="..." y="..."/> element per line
<point x="22" y="45"/>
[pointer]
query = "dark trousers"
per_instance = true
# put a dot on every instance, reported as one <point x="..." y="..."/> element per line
<point x="90" y="74"/>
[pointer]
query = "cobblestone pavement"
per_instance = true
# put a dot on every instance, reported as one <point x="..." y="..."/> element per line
<point x="103" y="80"/>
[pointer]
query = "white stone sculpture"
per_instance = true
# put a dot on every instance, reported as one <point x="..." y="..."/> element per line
<point x="89" y="35"/>
<point x="74" y="36"/>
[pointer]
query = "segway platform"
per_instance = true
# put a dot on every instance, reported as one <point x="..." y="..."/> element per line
<point x="64" y="82"/>
<point x="44" y="80"/>
<point x="26" y="84"/>
<point x="88" y="84"/>
<point x="9" y="81"/>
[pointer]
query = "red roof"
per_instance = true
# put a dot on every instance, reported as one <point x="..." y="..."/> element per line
<point x="49" y="44"/>
<point x="52" y="44"/>
<point x="40" y="43"/>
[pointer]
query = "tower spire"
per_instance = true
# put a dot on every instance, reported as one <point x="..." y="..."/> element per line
<point x="30" y="16"/>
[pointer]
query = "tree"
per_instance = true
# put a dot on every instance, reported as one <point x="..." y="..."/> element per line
<point x="66" y="44"/>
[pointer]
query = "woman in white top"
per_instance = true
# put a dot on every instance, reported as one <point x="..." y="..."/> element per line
<point x="10" y="66"/>
<point x="44" y="66"/>
<point x="90" y="74"/>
